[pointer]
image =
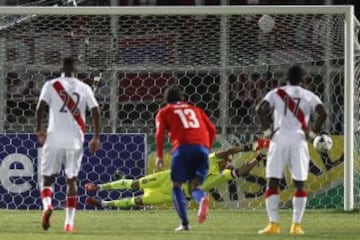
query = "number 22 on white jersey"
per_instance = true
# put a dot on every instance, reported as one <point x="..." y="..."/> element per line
<point x="188" y="118"/>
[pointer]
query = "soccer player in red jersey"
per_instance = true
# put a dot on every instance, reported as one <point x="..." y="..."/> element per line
<point x="67" y="99"/>
<point x="191" y="134"/>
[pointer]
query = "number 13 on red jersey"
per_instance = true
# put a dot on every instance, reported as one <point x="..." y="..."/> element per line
<point x="188" y="118"/>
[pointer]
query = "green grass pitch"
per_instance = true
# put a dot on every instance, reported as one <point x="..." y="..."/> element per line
<point x="159" y="225"/>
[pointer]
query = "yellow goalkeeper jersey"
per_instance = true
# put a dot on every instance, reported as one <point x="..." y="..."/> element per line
<point x="157" y="187"/>
<point x="215" y="177"/>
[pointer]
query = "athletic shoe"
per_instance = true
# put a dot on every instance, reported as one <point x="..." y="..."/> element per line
<point x="271" y="228"/>
<point x="296" y="229"/>
<point x="69" y="229"/>
<point x="46" y="218"/>
<point x="93" y="202"/>
<point x="90" y="187"/>
<point x="203" y="209"/>
<point x="182" y="228"/>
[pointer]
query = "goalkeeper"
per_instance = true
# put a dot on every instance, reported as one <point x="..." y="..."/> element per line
<point x="157" y="187"/>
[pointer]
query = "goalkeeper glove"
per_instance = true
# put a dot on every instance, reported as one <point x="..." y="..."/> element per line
<point x="261" y="143"/>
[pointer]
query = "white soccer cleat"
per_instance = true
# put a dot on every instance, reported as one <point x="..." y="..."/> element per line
<point x="182" y="228"/>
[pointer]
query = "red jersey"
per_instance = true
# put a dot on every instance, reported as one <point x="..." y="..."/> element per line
<point x="185" y="124"/>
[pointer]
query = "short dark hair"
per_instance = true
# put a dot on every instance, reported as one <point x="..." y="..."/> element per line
<point x="173" y="94"/>
<point x="295" y="75"/>
<point x="68" y="64"/>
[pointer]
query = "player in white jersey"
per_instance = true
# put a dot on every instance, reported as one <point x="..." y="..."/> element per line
<point x="67" y="99"/>
<point x="291" y="107"/>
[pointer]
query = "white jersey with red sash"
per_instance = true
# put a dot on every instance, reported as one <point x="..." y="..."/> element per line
<point x="68" y="99"/>
<point x="292" y="107"/>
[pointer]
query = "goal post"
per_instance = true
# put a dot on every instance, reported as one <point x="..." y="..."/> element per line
<point x="221" y="61"/>
<point x="181" y="10"/>
<point x="349" y="111"/>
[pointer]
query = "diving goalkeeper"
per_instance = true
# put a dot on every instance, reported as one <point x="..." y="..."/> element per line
<point x="157" y="186"/>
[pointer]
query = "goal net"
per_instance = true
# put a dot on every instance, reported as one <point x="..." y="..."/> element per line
<point x="224" y="58"/>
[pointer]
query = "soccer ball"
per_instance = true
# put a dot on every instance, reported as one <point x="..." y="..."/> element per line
<point x="323" y="142"/>
<point x="266" y="23"/>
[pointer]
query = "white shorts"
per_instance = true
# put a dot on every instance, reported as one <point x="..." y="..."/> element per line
<point x="53" y="159"/>
<point x="295" y="156"/>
